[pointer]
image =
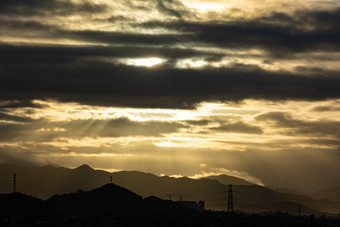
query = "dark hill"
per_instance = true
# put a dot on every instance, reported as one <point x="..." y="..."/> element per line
<point x="113" y="199"/>
<point x="21" y="205"/>
<point x="108" y="198"/>
<point x="106" y="205"/>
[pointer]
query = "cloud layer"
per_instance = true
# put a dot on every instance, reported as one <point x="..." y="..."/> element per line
<point x="278" y="55"/>
<point x="163" y="86"/>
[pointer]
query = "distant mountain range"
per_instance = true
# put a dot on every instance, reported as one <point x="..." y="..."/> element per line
<point x="332" y="194"/>
<point x="43" y="182"/>
<point x="226" y="180"/>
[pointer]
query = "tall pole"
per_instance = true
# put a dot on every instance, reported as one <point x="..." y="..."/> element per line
<point x="110" y="179"/>
<point x="169" y="195"/>
<point x="299" y="210"/>
<point x="230" y="199"/>
<point x="14" y="183"/>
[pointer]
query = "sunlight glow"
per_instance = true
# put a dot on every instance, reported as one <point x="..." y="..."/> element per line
<point x="147" y="62"/>
<point x="220" y="171"/>
<point x="191" y="63"/>
<point x="204" y="6"/>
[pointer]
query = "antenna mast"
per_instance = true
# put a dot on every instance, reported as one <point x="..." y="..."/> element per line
<point x="230" y="199"/>
<point x="14" y="183"/>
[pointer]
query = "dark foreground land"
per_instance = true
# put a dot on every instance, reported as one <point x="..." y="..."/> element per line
<point x="112" y="205"/>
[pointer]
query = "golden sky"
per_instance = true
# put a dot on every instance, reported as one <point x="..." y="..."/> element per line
<point x="180" y="87"/>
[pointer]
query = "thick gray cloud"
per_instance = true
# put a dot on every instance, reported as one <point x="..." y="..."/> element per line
<point x="91" y="74"/>
<point x="279" y="40"/>
<point x="63" y="54"/>
<point x="48" y="7"/>
<point x="278" y="33"/>
<point x="8" y="117"/>
<point x="43" y="130"/>
<point x="39" y="75"/>
<point x="118" y="128"/>
<point x="173" y="8"/>
<point x="285" y="120"/>
<point x="239" y="127"/>
<point x="20" y="103"/>
<point x="325" y="108"/>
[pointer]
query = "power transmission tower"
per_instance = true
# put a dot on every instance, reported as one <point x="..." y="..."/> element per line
<point x="230" y="199"/>
<point x="14" y="183"/>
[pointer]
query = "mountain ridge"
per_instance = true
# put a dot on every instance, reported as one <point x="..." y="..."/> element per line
<point x="332" y="194"/>
<point x="47" y="181"/>
<point x="226" y="179"/>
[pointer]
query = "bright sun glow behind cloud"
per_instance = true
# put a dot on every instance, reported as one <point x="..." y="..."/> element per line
<point x="206" y="6"/>
<point x="147" y="62"/>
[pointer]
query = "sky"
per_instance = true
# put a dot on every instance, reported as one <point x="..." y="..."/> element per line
<point x="193" y="88"/>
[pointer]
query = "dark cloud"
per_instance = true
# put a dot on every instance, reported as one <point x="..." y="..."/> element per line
<point x="278" y="33"/>
<point x="106" y="37"/>
<point x="284" y="118"/>
<point x="20" y="26"/>
<point x="239" y="127"/>
<point x="48" y="7"/>
<point x="62" y="54"/>
<point x="329" y="142"/>
<point x="281" y="35"/>
<point x="120" y="127"/>
<point x="73" y="74"/>
<point x="20" y="103"/>
<point x="45" y="131"/>
<point x="173" y="8"/>
<point x="167" y="8"/>
<point x="323" y="20"/>
<point x="18" y="132"/>
<point x="279" y="40"/>
<point x="326" y="108"/>
<point x="296" y="126"/>
<point x="8" y="117"/>
<point x="198" y="122"/>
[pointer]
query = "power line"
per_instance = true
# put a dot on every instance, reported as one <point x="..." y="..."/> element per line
<point x="287" y="198"/>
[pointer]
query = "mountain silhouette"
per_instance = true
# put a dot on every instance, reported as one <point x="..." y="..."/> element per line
<point x="21" y="207"/>
<point x="109" y="202"/>
<point x="112" y="205"/>
<point x="43" y="182"/>
<point x="109" y="198"/>
<point x="84" y="168"/>
<point x="332" y="194"/>
<point x="225" y="179"/>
